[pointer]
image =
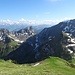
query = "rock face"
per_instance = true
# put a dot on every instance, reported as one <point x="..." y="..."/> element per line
<point x="23" y="34"/>
<point x="18" y="36"/>
<point x="3" y="33"/>
<point x="58" y="40"/>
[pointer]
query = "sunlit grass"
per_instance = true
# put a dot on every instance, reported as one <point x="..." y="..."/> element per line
<point x="50" y="66"/>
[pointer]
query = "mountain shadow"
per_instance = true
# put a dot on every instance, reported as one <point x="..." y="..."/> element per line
<point x="23" y="54"/>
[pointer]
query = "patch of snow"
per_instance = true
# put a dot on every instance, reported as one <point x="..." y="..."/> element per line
<point x="66" y="28"/>
<point x="21" y="41"/>
<point x="36" y="44"/>
<point x="36" y="64"/>
<point x="70" y="45"/>
<point x="32" y="33"/>
<point x="26" y="33"/>
<point x="69" y="40"/>
<point x="1" y="38"/>
<point x="2" y="33"/>
<point x="17" y="40"/>
<point x="70" y="34"/>
<point x="70" y="51"/>
<point x="12" y="34"/>
<point x="50" y="37"/>
<point x="73" y="40"/>
<point x="67" y="34"/>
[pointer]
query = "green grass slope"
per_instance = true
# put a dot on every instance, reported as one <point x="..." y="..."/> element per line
<point x="6" y="48"/>
<point x="50" y="66"/>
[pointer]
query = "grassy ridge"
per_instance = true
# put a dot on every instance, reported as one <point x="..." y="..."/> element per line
<point x="50" y="66"/>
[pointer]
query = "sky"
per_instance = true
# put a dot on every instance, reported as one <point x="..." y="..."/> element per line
<point x="39" y="10"/>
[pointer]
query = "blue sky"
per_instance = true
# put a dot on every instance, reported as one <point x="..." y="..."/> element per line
<point x="37" y="9"/>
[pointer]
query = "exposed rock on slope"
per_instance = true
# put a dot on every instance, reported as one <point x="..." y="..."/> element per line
<point x="23" y="34"/>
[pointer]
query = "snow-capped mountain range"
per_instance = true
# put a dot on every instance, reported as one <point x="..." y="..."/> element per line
<point x="58" y="40"/>
<point x="18" y="36"/>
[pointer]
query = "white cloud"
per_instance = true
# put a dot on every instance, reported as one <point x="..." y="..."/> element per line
<point x="28" y="22"/>
<point x="22" y="19"/>
<point x="67" y="18"/>
<point x="31" y="22"/>
<point x="3" y="22"/>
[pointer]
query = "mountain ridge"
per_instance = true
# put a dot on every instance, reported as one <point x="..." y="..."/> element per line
<point x="52" y="42"/>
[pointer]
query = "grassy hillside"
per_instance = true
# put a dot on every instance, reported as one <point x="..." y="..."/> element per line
<point x="73" y="61"/>
<point x="50" y="66"/>
<point x="6" y="48"/>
